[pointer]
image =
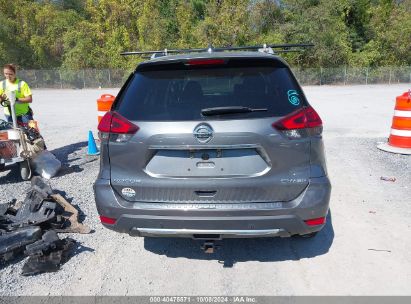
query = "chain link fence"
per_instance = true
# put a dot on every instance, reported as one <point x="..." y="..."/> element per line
<point x="71" y="79"/>
<point x="112" y="78"/>
<point x="353" y="75"/>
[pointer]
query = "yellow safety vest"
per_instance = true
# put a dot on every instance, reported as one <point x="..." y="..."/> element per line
<point x="20" y="108"/>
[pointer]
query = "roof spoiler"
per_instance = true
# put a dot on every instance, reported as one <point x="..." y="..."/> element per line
<point x="266" y="48"/>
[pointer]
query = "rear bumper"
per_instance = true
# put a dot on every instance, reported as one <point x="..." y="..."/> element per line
<point x="205" y="234"/>
<point x="215" y="221"/>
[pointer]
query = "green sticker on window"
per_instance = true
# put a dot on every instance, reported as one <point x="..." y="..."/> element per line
<point x="293" y="97"/>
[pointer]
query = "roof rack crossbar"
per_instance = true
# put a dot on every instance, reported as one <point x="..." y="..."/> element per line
<point x="279" y="48"/>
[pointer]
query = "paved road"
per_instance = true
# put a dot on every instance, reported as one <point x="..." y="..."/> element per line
<point x="363" y="250"/>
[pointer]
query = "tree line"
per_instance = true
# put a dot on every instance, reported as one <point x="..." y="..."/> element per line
<point x="81" y="34"/>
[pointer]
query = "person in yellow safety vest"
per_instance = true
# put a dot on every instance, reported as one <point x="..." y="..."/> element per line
<point x="23" y="95"/>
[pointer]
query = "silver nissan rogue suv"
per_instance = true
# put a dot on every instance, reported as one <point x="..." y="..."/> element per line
<point x="212" y="146"/>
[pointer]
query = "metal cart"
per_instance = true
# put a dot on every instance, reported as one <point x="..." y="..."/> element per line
<point x="13" y="146"/>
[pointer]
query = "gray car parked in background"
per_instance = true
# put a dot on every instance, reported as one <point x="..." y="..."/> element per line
<point x="211" y="146"/>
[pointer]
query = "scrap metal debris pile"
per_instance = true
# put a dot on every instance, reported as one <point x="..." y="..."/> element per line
<point x="34" y="142"/>
<point x="24" y="144"/>
<point x="30" y="228"/>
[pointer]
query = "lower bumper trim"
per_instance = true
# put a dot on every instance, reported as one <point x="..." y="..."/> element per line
<point x="194" y="233"/>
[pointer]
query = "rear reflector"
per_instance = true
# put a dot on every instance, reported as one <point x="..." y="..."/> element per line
<point x="113" y="122"/>
<point x="107" y="220"/>
<point x="316" y="221"/>
<point x="303" y="118"/>
<point x="205" y="61"/>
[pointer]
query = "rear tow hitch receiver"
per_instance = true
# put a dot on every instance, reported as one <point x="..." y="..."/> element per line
<point x="209" y="246"/>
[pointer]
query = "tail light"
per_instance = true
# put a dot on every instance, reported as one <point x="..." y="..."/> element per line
<point x="301" y="123"/>
<point x="118" y="126"/>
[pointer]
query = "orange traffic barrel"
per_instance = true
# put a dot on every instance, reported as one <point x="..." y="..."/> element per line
<point x="104" y="105"/>
<point x="400" y="135"/>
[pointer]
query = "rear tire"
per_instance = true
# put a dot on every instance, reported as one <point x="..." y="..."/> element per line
<point x="25" y="170"/>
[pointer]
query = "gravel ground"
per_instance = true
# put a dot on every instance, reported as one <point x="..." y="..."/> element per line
<point x="363" y="250"/>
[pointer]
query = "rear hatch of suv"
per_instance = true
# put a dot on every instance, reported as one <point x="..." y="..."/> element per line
<point x="210" y="130"/>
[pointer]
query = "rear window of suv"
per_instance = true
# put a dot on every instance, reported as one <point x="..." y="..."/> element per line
<point x="181" y="94"/>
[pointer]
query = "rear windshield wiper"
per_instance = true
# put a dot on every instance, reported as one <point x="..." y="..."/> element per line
<point x="230" y="110"/>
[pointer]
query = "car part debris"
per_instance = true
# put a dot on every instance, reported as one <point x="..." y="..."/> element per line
<point x="75" y="226"/>
<point x="43" y="246"/>
<point x="42" y="207"/>
<point x="47" y="254"/>
<point x="13" y="243"/>
<point x="3" y="209"/>
<point x="31" y="227"/>
<point x="385" y="250"/>
<point x="388" y="179"/>
<point x="37" y="206"/>
<point x="28" y="215"/>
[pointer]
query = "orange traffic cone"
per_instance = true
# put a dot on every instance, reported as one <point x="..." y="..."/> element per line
<point x="104" y="105"/>
<point x="400" y="136"/>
